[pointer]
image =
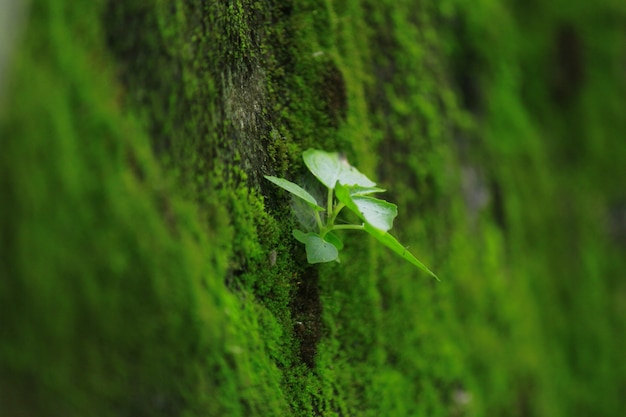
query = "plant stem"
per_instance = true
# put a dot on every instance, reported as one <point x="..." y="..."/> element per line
<point x="318" y="219"/>
<point x="348" y="227"/>
<point x="335" y="212"/>
<point x="329" y="203"/>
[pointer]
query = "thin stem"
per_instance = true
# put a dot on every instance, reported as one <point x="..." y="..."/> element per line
<point x="318" y="219"/>
<point x="348" y="227"/>
<point x="335" y="212"/>
<point x="329" y="203"/>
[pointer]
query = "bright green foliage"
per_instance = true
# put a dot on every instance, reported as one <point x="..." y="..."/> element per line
<point x="329" y="168"/>
<point x="318" y="249"/>
<point x="352" y="191"/>
<point x="295" y="189"/>
<point x="376" y="212"/>
<point x="145" y="270"/>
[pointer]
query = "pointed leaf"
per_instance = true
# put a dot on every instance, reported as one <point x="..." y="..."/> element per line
<point x="358" y="190"/>
<point x="330" y="168"/>
<point x="296" y="190"/>
<point x="378" y="213"/>
<point x="349" y="175"/>
<point x="393" y="244"/>
<point x="325" y="166"/>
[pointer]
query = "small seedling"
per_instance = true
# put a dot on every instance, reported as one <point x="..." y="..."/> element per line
<point x="347" y="188"/>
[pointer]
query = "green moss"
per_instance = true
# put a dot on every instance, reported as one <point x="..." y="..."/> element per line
<point x="148" y="269"/>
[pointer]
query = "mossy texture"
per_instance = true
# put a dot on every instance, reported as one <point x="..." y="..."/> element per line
<point x="148" y="269"/>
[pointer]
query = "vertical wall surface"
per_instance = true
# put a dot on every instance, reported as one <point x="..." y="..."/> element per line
<point x="148" y="269"/>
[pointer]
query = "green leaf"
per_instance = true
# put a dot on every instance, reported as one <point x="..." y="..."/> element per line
<point x="325" y="166"/>
<point x="349" y="175"/>
<point x="318" y="250"/>
<point x="330" y="168"/>
<point x="299" y="235"/>
<point x="296" y="190"/>
<point x="378" y="213"/>
<point x="334" y="239"/>
<point x="373" y="211"/>
<point x="358" y="190"/>
<point x="393" y="244"/>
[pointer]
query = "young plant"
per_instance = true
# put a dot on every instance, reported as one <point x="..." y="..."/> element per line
<point x="347" y="188"/>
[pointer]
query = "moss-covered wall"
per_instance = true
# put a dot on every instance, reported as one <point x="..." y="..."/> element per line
<point x="148" y="269"/>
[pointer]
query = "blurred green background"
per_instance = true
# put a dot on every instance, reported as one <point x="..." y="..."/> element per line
<point x="148" y="269"/>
